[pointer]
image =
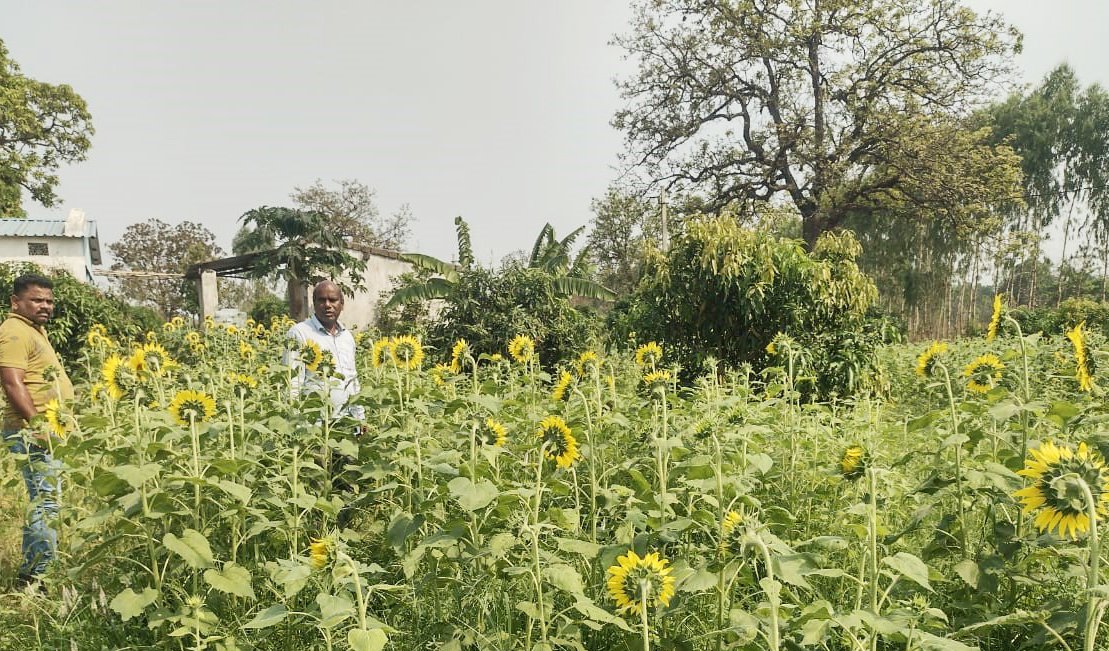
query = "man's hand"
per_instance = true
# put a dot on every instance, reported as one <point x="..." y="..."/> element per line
<point x="19" y="397"/>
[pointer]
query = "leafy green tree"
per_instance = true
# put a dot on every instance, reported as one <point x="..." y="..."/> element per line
<point x="351" y="210"/>
<point x="158" y="247"/>
<point x="622" y="225"/>
<point x="828" y="104"/>
<point x="306" y="249"/>
<point x="41" y="127"/>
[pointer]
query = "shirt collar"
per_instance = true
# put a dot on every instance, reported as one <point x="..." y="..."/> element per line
<point x="30" y="322"/>
<point x="319" y="326"/>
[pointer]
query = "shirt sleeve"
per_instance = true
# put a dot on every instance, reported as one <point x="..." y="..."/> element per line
<point x="13" y="349"/>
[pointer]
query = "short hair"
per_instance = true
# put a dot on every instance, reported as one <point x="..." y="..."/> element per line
<point x="27" y="281"/>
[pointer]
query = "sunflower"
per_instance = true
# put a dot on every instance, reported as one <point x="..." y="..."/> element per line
<point x="241" y="382"/>
<point x="310" y="355"/>
<point x="853" y="463"/>
<point x="320" y="551"/>
<point x="459" y="353"/>
<point x="158" y="361"/>
<point x="656" y="381"/>
<point x="649" y="354"/>
<point x="635" y="580"/>
<point x="190" y="406"/>
<point x="97" y="337"/>
<point x="558" y="442"/>
<point x="925" y="364"/>
<point x="561" y="389"/>
<point x="57" y="423"/>
<point x="439" y="374"/>
<point x="995" y="319"/>
<point x="193" y="337"/>
<point x="492" y="433"/>
<point x="496" y="358"/>
<point x="983" y="373"/>
<point x="729" y="534"/>
<point x="380" y="351"/>
<point x="246" y="351"/>
<point x="407" y="353"/>
<point x="1055" y="472"/>
<point x="117" y="377"/>
<point x="587" y="362"/>
<point x="522" y="348"/>
<point x="98" y="392"/>
<point x="1083" y="374"/>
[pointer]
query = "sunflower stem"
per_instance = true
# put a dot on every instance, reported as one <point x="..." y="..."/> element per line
<point x="958" y="459"/>
<point x="1092" y="575"/>
<point x="643" y="590"/>
<point x="535" y="543"/>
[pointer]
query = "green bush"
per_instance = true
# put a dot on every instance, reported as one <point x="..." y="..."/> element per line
<point x="725" y="292"/>
<point x="77" y="306"/>
<point x="489" y="308"/>
<point x="267" y="307"/>
<point x="1054" y="320"/>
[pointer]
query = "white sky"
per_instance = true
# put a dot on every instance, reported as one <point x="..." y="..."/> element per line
<point x="495" y="110"/>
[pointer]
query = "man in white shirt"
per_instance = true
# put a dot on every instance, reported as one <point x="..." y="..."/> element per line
<point x="338" y="349"/>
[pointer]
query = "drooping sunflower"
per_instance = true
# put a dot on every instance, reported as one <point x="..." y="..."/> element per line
<point x="995" y="319"/>
<point x="118" y="378"/>
<point x="926" y="363"/>
<point x="635" y="580"/>
<point x="459" y="352"/>
<point x="492" y="432"/>
<point x="320" y="551"/>
<point x="97" y="337"/>
<point x="730" y="543"/>
<point x="1055" y="472"/>
<point x="522" y="348"/>
<point x="1083" y="371"/>
<point x="587" y="363"/>
<point x="407" y="353"/>
<point x="561" y="389"/>
<point x="310" y="355"/>
<point x="648" y="355"/>
<point x="983" y="373"/>
<point x="439" y="374"/>
<point x="246" y="351"/>
<point x="158" y="361"/>
<point x="193" y="337"/>
<point x="57" y="423"/>
<point x="853" y="463"/>
<point x="559" y="444"/>
<point x="190" y="406"/>
<point x="656" y="381"/>
<point x="242" y="382"/>
<point x="380" y="351"/>
<point x="496" y="358"/>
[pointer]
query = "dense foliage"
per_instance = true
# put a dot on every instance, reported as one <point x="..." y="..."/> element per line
<point x="724" y="292"/>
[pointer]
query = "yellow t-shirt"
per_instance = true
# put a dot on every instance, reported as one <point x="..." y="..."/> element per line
<point x="24" y="345"/>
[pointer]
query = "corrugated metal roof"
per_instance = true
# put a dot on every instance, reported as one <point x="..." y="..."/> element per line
<point x="14" y="227"/>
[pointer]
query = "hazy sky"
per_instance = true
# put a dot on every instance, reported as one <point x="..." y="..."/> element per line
<point x="497" y="111"/>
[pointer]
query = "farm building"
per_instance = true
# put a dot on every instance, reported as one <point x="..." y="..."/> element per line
<point x="71" y="244"/>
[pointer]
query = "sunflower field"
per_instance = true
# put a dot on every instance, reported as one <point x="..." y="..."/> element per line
<point x="489" y="502"/>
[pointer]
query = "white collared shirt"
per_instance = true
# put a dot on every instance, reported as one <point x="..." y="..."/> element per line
<point x="341" y="347"/>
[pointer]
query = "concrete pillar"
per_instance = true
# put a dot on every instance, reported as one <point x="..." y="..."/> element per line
<point x="208" y="294"/>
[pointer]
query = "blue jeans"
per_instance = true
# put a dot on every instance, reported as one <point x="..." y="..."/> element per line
<point x="40" y="474"/>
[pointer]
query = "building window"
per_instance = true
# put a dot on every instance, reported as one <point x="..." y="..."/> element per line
<point x="37" y="248"/>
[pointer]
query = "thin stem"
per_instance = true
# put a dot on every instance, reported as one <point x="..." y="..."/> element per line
<point x="1092" y="608"/>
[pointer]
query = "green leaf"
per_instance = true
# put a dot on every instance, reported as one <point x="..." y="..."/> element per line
<point x="911" y="567"/>
<point x="233" y="579"/>
<point x="565" y="578"/>
<point x="585" y="606"/>
<point x="268" y="617"/>
<point x="700" y="580"/>
<point x="470" y="496"/>
<point x="238" y="491"/>
<point x="191" y="546"/>
<point x="130" y="604"/>
<point x="968" y="570"/>
<point x="587" y="549"/>
<point x="929" y="642"/>
<point x="333" y="610"/>
<point x="136" y="476"/>
<point x="792" y="568"/>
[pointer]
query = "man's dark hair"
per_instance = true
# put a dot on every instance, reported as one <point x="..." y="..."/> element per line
<point x="27" y="281"/>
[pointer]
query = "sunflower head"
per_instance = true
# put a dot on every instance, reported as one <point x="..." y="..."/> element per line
<point x="731" y="535"/>
<point x="193" y="337"/>
<point x="655" y="382"/>
<point x="190" y="406"/>
<point x="561" y="390"/>
<point x="1084" y="370"/>
<point x="380" y="351"/>
<point x="118" y="377"/>
<point x="522" y="348"/>
<point x="243" y="383"/>
<point x="459" y="354"/>
<point x="559" y="444"/>
<point x="321" y="551"/>
<point x="439" y="374"/>
<point x="983" y="373"/>
<point x="588" y="362"/>
<point x="995" y="318"/>
<point x="97" y="337"/>
<point x="926" y="362"/>
<point x="649" y="355"/>
<point x="492" y="433"/>
<point x="853" y="462"/>
<point x="636" y="580"/>
<point x="310" y="355"/>
<point x="1057" y="473"/>
<point x="406" y="352"/>
<point x="57" y="423"/>
<point x="246" y="351"/>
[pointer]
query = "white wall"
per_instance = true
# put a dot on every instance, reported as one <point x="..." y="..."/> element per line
<point x="65" y="253"/>
<point x="360" y="310"/>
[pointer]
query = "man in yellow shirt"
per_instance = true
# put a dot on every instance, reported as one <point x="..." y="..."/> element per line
<point x="32" y="375"/>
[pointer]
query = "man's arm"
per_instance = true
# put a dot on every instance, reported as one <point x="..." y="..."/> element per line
<point x="16" y="391"/>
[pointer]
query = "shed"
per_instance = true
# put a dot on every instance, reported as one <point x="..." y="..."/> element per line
<point x="71" y="244"/>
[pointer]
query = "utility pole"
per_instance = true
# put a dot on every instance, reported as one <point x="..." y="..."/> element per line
<point x="664" y="205"/>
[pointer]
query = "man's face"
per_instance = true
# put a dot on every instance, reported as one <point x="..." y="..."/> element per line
<point x="35" y="304"/>
<point x="328" y="304"/>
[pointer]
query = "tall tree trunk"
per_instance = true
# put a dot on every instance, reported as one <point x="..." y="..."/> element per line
<point x="1063" y="255"/>
<point x="975" y="273"/>
<point x="1104" y="266"/>
<point x="297" y="295"/>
